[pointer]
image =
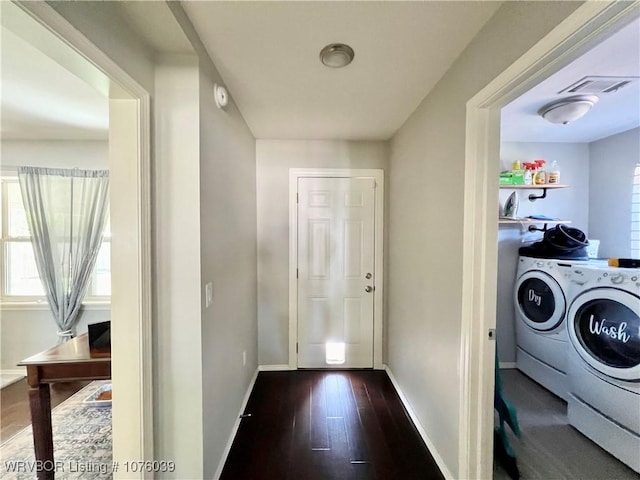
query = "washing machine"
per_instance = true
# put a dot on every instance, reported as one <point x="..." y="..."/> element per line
<point x="541" y="297"/>
<point x="603" y="323"/>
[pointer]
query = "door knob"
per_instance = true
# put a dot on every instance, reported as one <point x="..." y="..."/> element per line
<point x="368" y="289"/>
<point x="367" y="276"/>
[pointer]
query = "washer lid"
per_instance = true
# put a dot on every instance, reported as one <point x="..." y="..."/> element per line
<point x="604" y="328"/>
<point x="540" y="301"/>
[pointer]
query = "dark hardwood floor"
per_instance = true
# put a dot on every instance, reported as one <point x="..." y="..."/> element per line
<point x="14" y="404"/>
<point x="329" y="425"/>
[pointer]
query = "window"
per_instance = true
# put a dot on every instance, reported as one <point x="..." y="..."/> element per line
<point x="19" y="279"/>
<point x="635" y="214"/>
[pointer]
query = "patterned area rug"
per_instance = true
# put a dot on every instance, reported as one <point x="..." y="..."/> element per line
<point x="81" y="442"/>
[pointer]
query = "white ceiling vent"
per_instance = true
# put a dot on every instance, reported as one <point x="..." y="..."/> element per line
<point x="595" y="84"/>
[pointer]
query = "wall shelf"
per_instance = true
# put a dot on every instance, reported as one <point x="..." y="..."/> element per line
<point x="533" y="197"/>
<point x="531" y="224"/>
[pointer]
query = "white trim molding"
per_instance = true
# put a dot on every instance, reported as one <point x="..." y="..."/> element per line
<point x="578" y="33"/>
<point x="35" y="306"/>
<point x="378" y="305"/>
<point x="236" y="425"/>
<point x="414" y="418"/>
<point x="275" y="368"/>
<point x="14" y="371"/>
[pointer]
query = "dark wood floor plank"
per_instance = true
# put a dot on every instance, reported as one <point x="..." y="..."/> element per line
<point x="300" y="453"/>
<point x="355" y="433"/>
<point x="327" y="425"/>
<point x="319" y="427"/>
<point x="383" y="464"/>
<point x="413" y="444"/>
<point x="266" y="415"/>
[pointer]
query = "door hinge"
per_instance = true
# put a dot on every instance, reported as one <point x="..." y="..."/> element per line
<point x="297" y="273"/>
<point x="375" y="184"/>
<point x="297" y="198"/>
<point x="296" y="347"/>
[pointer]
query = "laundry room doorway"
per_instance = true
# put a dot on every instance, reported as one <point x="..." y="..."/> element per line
<point x="585" y="28"/>
<point x="336" y="268"/>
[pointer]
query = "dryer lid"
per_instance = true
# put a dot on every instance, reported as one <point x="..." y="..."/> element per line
<point x="540" y="301"/>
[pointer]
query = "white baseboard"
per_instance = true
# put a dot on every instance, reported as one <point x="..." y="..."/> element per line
<point x="274" y="368"/>
<point x="432" y="449"/>
<point x="9" y="377"/>
<point x="236" y="425"/>
<point x="507" y="364"/>
<point x="14" y="371"/>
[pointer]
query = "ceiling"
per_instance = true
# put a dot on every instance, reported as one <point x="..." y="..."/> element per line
<point x="49" y="91"/>
<point x="267" y="54"/>
<point x="402" y="50"/>
<point x="618" y="55"/>
<point x="41" y="100"/>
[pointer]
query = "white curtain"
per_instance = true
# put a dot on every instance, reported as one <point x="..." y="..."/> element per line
<point x="66" y="211"/>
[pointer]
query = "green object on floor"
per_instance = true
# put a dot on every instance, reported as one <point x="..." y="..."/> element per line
<point x="506" y="410"/>
<point x="507" y="415"/>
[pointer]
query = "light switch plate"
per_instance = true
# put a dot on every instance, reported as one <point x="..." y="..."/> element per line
<point x="208" y="294"/>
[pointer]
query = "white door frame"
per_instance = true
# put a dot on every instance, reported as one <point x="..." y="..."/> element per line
<point x="378" y="176"/>
<point x="578" y="33"/>
<point x="129" y="163"/>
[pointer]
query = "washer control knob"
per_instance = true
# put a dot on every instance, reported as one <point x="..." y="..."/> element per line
<point x="617" y="279"/>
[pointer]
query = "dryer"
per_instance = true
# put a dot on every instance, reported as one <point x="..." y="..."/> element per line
<point x="541" y="297"/>
<point x="603" y="323"/>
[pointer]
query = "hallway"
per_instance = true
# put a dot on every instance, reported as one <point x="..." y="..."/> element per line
<point x="327" y="425"/>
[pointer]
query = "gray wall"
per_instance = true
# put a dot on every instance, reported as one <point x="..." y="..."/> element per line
<point x="106" y="25"/>
<point x="613" y="161"/>
<point x="426" y="223"/>
<point x="229" y="260"/>
<point x="568" y="204"/>
<point x="274" y="159"/>
<point x="205" y="214"/>
<point x="55" y="153"/>
<point x="25" y="332"/>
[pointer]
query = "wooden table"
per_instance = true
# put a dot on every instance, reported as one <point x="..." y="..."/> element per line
<point x="67" y="362"/>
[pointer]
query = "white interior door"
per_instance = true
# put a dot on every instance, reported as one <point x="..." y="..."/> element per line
<point x="336" y="278"/>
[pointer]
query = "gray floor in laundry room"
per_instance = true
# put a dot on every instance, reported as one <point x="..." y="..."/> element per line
<point x="550" y="448"/>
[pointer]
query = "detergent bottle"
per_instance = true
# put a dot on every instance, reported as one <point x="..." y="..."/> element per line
<point x="540" y="176"/>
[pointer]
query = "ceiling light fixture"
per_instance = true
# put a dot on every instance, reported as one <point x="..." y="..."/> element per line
<point x="336" y="55"/>
<point x="568" y="109"/>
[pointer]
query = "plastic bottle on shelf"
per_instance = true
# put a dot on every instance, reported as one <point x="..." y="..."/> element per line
<point x="540" y="176"/>
<point x="528" y="174"/>
<point x="554" y="173"/>
<point x="516" y="166"/>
